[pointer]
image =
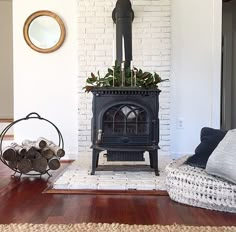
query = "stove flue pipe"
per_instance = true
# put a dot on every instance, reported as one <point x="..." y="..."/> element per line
<point x="123" y="16"/>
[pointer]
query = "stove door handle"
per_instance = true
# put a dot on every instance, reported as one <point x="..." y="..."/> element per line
<point x="99" y="137"/>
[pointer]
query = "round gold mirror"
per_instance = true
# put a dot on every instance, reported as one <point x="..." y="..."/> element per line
<point x="44" y="31"/>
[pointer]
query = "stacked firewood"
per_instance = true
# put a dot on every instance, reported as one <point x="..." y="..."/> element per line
<point x="38" y="156"/>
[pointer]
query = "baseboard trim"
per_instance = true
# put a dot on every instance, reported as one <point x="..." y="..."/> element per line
<point x="8" y="137"/>
<point x="67" y="161"/>
<point x="6" y="120"/>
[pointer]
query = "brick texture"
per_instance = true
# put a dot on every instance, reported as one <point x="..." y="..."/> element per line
<point x="151" y="52"/>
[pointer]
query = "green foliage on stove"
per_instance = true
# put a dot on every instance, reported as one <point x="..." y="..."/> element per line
<point x="143" y="79"/>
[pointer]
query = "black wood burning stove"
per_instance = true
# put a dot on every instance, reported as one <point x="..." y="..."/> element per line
<point x="125" y="123"/>
<point x="125" y="120"/>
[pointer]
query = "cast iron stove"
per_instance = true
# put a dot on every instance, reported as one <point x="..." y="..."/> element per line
<point x="125" y="123"/>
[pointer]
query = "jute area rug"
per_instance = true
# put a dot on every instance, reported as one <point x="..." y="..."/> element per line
<point x="84" y="227"/>
<point x="114" y="177"/>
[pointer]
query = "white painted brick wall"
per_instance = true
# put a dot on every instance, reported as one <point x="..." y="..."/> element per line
<point x="151" y="52"/>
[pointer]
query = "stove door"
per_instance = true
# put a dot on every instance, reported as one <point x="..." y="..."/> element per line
<point x="127" y="124"/>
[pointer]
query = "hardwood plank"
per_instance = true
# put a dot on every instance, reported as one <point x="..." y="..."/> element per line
<point x="22" y="201"/>
<point x="107" y="192"/>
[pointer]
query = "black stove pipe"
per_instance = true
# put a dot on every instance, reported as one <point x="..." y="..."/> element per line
<point x="123" y="16"/>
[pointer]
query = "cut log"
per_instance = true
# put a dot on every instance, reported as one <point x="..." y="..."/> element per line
<point x="24" y="166"/>
<point x="27" y="143"/>
<point x="9" y="153"/>
<point x="40" y="165"/>
<point x="19" y="149"/>
<point x="39" y="144"/>
<point x="47" y="153"/>
<point x="56" y="149"/>
<point x="59" y="151"/>
<point x="37" y="155"/>
<point x="32" y="153"/>
<point x="19" y="157"/>
<point x="12" y="164"/>
<point x="54" y="163"/>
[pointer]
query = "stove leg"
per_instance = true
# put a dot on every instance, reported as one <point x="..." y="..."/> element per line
<point x="154" y="161"/>
<point x="97" y="159"/>
<point x="94" y="160"/>
<point x="151" y="159"/>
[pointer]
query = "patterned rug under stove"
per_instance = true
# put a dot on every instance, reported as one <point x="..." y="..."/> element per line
<point x="110" y="175"/>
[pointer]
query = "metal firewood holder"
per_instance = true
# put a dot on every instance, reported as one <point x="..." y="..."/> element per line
<point x="30" y="116"/>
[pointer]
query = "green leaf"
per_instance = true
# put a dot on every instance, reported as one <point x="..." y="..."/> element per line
<point x="93" y="76"/>
<point x="110" y="71"/>
<point x="89" y="81"/>
<point x="107" y="75"/>
<point x="140" y="72"/>
<point x="149" y="80"/>
<point x="145" y="74"/>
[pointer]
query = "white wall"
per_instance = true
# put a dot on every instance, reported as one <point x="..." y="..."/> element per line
<point x="46" y="83"/>
<point x="6" y="64"/>
<point x="195" y="70"/>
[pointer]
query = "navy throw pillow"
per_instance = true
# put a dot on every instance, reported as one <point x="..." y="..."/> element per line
<point x="210" y="138"/>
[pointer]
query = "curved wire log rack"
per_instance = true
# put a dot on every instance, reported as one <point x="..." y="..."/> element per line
<point x="30" y="116"/>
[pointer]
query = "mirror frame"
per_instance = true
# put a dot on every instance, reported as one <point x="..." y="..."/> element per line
<point x="36" y="15"/>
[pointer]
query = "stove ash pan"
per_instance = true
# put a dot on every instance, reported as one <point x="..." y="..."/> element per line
<point x="125" y="123"/>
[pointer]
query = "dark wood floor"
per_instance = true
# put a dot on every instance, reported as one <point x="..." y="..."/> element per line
<point x="22" y="201"/>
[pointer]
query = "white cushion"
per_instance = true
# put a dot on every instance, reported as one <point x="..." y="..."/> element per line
<point x="222" y="162"/>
